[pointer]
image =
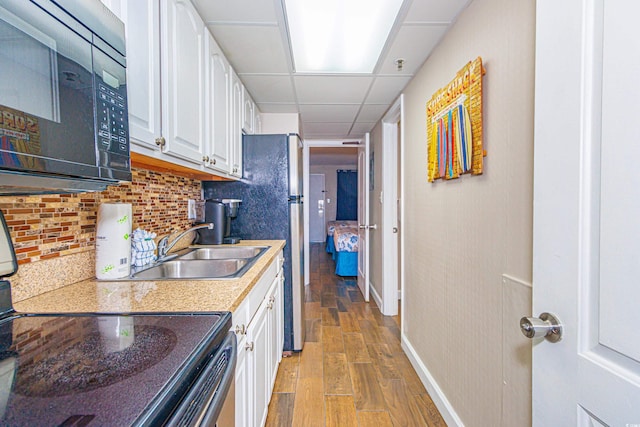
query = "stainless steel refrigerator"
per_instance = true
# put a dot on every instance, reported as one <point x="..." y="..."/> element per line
<point x="271" y="208"/>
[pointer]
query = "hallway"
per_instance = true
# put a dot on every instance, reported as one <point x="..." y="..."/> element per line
<point x="352" y="371"/>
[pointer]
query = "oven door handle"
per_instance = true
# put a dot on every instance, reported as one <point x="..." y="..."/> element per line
<point x="203" y="403"/>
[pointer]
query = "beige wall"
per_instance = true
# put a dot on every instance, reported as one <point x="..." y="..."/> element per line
<point x="461" y="236"/>
<point x="278" y="123"/>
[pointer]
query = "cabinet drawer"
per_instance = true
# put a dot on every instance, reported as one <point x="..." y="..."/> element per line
<point x="245" y="312"/>
<point x="240" y="319"/>
<point x="259" y="291"/>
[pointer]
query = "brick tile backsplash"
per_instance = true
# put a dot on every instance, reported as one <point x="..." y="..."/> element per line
<point x="50" y="226"/>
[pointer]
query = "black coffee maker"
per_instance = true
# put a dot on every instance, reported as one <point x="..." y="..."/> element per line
<point x="231" y="211"/>
<point x="214" y="211"/>
<point x="220" y="213"/>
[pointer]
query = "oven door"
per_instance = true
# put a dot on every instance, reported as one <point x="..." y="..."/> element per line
<point x="50" y="77"/>
<point x="210" y="402"/>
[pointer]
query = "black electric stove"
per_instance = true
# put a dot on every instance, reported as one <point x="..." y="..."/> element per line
<point x="108" y="370"/>
<point x="98" y="369"/>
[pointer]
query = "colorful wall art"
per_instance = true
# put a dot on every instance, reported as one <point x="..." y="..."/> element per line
<point x="454" y="126"/>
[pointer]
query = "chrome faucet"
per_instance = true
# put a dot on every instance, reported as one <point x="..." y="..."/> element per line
<point x="164" y="246"/>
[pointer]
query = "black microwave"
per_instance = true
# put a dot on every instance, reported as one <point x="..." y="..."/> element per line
<point x="63" y="97"/>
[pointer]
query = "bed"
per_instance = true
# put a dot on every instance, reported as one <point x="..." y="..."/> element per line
<point x="342" y="244"/>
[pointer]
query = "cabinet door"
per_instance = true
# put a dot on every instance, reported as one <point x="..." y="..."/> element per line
<point x="279" y="297"/>
<point x="243" y="394"/>
<point x="218" y="104"/>
<point x="141" y="19"/>
<point x="275" y="314"/>
<point x="183" y="89"/>
<point x="258" y="358"/>
<point x="248" y="112"/>
<point x="236" y="125"/>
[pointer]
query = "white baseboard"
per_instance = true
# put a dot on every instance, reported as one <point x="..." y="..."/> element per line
<point x="439" y="399"/>
<point x="375" y="295"/>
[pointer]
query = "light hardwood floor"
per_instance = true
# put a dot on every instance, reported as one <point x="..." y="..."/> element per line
<point x="352" y="370"/>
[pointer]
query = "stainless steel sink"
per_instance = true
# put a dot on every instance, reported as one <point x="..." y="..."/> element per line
<point x="209" y="262"/>
<point x="192" y="269"/>
<point x="223" y="252"/>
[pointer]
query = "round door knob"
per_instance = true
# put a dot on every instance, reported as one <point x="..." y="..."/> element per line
<point x="213" y="161"/>
<point x="205" y="159"/>
<point x="241" y="330"/>
<point x="249" y="346"/>
<point x="546" y="326"/>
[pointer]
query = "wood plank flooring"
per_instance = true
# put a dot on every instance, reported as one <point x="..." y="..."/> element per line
<point x="352" y="370"/>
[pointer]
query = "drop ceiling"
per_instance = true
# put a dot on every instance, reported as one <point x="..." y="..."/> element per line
<point x="253" y="36"/>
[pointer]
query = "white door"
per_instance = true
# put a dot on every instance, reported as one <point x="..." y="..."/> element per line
<point x="316" y="208"/>
<point x="363" y="218"/>
<point x="586" y="249"/>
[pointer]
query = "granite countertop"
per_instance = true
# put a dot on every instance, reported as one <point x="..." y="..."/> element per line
<point x="154" y="296"/>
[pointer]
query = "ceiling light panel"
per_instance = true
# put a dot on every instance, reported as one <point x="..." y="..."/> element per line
<point x="339" y="36"/>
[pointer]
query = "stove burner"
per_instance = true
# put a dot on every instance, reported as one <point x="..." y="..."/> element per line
<point x="84" y="366"/>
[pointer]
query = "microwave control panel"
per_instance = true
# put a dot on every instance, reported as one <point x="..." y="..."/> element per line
<point x="112" y="121"/>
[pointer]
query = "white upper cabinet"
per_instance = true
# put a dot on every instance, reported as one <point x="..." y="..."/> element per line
<point x="183" y="84"/>
<point x="218" y="155"/>
<point x="236" y="124"/>
<point x="143" y="68"/>
<point x="186" y="105"/>
<point x="248" y="113"/>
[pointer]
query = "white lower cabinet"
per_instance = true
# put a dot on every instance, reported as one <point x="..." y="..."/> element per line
<point x="259" y="326"/>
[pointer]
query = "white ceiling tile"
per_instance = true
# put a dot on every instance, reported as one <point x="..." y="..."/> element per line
<point x="269" y="89"/>
<point x="372" y="112"/>
<point x="249" y="33"/>
<point x="435" y="10"/>
<point x="413" y="43"/>
<point x="386" y="89"/>
<point x="326" y="128"/>
<point x="329" y="113"/>
<point x="360" y="128"/>
<point x="331" y="89"/>
<point x="277" y="108"/>
<point x="237" y="10"/>
<point x="252" y="49"/>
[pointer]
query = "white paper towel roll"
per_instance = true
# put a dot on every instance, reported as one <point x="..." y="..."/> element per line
<point x="113" y="241"/>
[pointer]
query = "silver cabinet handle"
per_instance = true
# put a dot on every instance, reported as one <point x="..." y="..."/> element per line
<point x="241" y="329"/>
<point x="547" y="326"/>
<point x="205" y="159"/>
<point x="249" y="346"/>
<point x="395" y="229"/>
<point x="160" y="142"/>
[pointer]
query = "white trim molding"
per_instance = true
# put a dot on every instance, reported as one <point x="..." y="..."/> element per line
<point x="435" y="392"/>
